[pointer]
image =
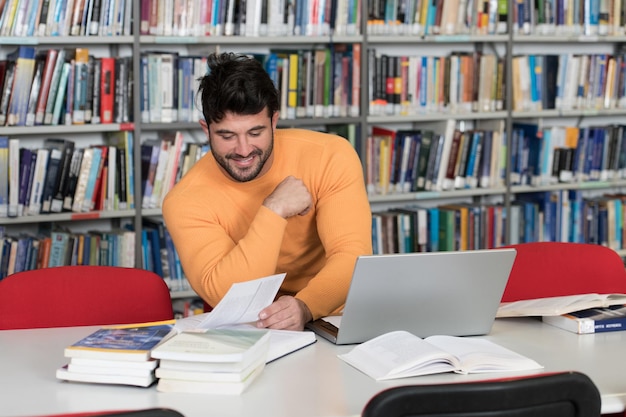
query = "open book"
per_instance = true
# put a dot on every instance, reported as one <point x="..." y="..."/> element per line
<point x="240" y="308"/>
<point x="401" y="354"/>
<point x="555" y="306"/>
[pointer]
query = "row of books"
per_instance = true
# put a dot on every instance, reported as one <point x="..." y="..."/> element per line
<point x="60" y="177"/>
<point x="461" y="82"/>
<point x="439" y="228"/>
<point x="168" y="87"/>
<point x="27" y="18"/>
<point x="436" y="158"/>
<point x="116" y="247"/>
<point x="563" y="154"/>
<point x="26" y="252"/>
<point x="556" y="216"/>
<point x="444" y="17"/>
<point x="320" y="82"/>
<point x="250" y="18"/>
<point x="569" y="81"/>
<point x="163" y="162"/>
<point x="64" y="86"/>
<point x="567" y="216"/>
<point x="569" y="17"/>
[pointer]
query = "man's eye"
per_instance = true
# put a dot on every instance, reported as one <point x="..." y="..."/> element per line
<point x="255" y="134"/>
<point x="227" y="137"/>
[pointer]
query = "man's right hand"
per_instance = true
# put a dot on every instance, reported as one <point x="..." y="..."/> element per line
<point x="289" y="198"/>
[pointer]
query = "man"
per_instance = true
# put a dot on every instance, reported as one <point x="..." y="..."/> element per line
<point x="267" y="201"/>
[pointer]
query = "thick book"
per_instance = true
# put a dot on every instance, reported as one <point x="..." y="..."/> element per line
<point x="400" y="354"/>
<point x="555" y="306"/>
<point x="107" y="89"/>
<point x="216" y="345"/>
<point x="208" y="387"/>
<point x="198" y="373"/>
<point x="592" y="320"/>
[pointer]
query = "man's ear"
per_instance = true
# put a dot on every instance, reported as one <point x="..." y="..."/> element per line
<point x="204" y="127"/>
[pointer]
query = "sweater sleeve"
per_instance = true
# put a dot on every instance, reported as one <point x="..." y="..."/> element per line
<point x="212" y="261"/>
<point x="344" y="226"/>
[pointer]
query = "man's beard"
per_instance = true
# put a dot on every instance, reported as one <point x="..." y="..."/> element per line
<point x="247" y="174"/>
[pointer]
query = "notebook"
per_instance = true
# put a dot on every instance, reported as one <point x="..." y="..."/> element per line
<point x="446" y="293"/>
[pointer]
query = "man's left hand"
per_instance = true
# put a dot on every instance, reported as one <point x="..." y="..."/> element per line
<point x="286" y="313"/>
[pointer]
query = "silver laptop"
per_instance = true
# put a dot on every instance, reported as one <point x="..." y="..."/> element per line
<point x="447" y="293"/>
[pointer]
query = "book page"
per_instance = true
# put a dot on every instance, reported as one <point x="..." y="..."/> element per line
<point x="399" y="354"/>
<point x="242" y="304"/>
<point x="555" y="306"/>
<point x="482" y="355"/>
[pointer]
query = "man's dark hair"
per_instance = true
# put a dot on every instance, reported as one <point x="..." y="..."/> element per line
<point x="238" y="84"/>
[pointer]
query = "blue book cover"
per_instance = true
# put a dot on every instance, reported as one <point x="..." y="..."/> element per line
<point x="433" y="229"/>
<point x="132" y="342"/>
<point x="91" y="180"/>
<point x="593" y="320"/>
<point x="24" y="58"/>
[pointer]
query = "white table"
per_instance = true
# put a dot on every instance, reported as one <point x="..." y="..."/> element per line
<point x="311" y="382"/>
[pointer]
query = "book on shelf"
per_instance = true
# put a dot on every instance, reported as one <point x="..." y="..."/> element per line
<point x="14" y="176"/>
<point x="35" y="90"/>
<point x="4" y="176"/>
<point x="81" y="71"/>
<point x="38" y="181"/>
<point x="400" y="354"/>
<point x="24" y="58"/>
<point x="107" y="89"/>
<point x="592" y="320"/>
<point x="555" y="306"/>
<point x="9" y="75"/>
<point x="54" y="88"/>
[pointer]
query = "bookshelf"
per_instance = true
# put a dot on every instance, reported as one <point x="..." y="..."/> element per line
<point x="467" y="40"/>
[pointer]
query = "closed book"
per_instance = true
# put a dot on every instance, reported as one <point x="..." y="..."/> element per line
<point x="216" y="345"/>
<point x="140" y="381"/>
<point x="24" y="70"/>
<point x="72" y="180"/>
<point x="9" y="74"/>
<point x="121" y="343"/>
<point x="107" y="89"/>
<point x="118" y="368"/>
<point x="4" y="176"/>
<point x="208" y="387"/>
<point x="593" y="320"/>
<point x="197" y="373"/>
<point x="57" y="71"/>
<point x="38" y="181"/>
<point x="51" y="180"/>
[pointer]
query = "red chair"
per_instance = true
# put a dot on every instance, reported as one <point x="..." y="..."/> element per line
<point x="550" y="269"/>
<point x="82" y="296"/>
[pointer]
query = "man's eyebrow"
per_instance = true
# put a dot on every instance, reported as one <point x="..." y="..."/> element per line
<point x="226" y="131"/>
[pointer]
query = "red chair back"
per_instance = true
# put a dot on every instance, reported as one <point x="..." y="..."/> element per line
<point x="549" y="269"/>
<point x="81" y="296"/>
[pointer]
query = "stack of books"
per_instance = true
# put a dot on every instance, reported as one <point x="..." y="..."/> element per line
<point x="216" y="361"/>
<point x="116" y="355"/>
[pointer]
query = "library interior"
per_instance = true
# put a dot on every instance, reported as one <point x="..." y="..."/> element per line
<point x="486" y="131"/>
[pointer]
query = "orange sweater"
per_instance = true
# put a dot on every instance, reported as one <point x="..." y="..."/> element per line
<point x="223" y="234"/>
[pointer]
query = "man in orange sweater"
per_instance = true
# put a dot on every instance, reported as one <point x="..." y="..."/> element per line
<point x="267" y="201"/>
